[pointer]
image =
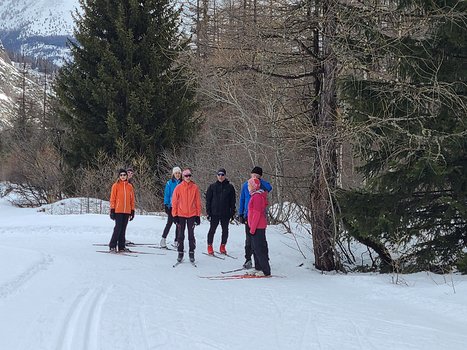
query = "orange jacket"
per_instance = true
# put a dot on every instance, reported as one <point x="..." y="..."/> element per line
<point x="122" y="197"/>
<point x="186" y="200"/>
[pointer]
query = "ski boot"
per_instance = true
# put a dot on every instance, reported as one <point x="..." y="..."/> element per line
<point x="222" y="249"/>
<point x="210" y="249"/>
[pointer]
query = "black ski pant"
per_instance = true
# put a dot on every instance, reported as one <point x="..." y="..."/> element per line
<point x="190" y="224"/>
<point x="118" y="236"/>
<point x="248" y="246"/>
<point x="249" y="249"/>
<point x="213" y="227"/>
<point x="260" y="248"/>
<point x="170" y="221"/>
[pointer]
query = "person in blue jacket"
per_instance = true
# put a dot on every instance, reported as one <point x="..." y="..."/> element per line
<point x="169" y="190"/>
<point x="257" y="172"/>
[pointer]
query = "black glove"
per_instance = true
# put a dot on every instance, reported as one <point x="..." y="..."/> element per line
<point x="208" y="217"/>
<point x="232" y="216"/>
<point x="197" y="220"/>
<point x="132" y="215"/>
<point x="176" y="220"/>
<point x="167" y="209"/>
<point x="241" y="219"/>
<point x="112" y="214"/>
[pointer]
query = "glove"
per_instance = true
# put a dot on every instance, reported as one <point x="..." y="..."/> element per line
<point x="176" y="220"/>
<point x="241" y="219"/>
<point x="232" y="216"/>
<point x="208" y="217"/>
<point x="167" y="209"/>
<point x="132" y="215"/>
<point x="197" y="220"/>
<point x="112" y="214"/>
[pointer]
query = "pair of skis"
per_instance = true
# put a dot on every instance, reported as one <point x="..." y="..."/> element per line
<point x="126" y="253"/>
<point x="219" y="255"/>
<point x="133" y="254"/>
<point x="226" y="275"/>
<point x="180" y="262"/>
<point x="235" y="277"/>
<point x="129" y="252"/>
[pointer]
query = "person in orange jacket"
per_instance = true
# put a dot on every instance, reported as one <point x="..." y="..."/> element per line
<point x="122" y="209"/>
<point x="186" y="211"/>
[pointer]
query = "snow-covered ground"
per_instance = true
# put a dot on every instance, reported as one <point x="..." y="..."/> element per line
<point x="56" y="292"/>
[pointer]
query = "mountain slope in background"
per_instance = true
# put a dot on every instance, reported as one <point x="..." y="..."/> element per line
<point x="11" y="82"/>
<point x="37" y="28"/>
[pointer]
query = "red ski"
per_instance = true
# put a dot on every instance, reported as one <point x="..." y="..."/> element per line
<point x="236" y="277"/>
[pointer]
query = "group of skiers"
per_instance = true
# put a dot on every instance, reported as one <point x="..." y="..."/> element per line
<point x="182" y="204"/>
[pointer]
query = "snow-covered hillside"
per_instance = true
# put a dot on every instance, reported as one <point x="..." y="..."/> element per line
<point x="38" y="17"/>
<point x="38" y="28"/>
<point x="57" y="292"/>
<point x="11" y="90"/>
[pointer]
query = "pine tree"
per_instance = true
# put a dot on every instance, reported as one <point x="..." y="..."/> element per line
<point x="409" y="111"/>
<point x="126" y="80"/>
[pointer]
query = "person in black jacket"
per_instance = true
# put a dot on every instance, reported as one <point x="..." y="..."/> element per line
<point x="220" y="207"/>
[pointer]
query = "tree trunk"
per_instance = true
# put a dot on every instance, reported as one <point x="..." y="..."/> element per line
<point x="324" y="182"/>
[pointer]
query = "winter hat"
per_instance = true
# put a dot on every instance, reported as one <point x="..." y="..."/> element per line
<point x="130" y="169"/>
<point x="122" y="171"/>
<point x="222" y="170"/>
<point x="257" y="170"/>
<point x="176" y="170"/>
<point x="254" y="184"/>
<point x="186" y="172"/>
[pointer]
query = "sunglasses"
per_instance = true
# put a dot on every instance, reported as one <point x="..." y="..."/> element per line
<point x="220" y="174"/>
<point x="187" y="175"/>
<point x="123" y="174"/>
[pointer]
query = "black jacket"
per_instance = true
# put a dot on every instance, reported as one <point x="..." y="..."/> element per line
<point x="220" y="199"/>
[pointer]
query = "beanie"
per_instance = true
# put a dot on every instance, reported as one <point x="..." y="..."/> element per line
<point x="176" y="170"/>
<point x="122" y="171"/>
<point x="257" y="170"/>
<point x="222" y="170"/>
<point x="254" y="184"/>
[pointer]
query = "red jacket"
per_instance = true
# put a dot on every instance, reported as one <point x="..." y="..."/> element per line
<point x="122" y="197"/>
<point x="257" y="211"/>
<point x="186" y="200"/>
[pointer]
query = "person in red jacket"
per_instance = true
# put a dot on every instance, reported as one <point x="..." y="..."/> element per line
<point x="186" y="212"/>
<point x="257" y="222"/>
<point x="122" y="209"/>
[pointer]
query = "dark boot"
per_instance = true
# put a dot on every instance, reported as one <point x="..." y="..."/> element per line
<point x="192" y="256"/>
<point x="180" y="256"/>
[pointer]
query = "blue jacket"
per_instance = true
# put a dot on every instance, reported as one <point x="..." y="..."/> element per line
<point x="169" y="190"/>
<point x="245" y="196"/>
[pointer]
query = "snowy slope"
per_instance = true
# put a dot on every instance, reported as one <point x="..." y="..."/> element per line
<point x="56" y="292"/>
<point x="10" y="90"/>
<point x="38" y="17"/>
<point x="38" y="28"/>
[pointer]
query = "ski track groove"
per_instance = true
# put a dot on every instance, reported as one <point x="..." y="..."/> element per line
<point x="143" y="330"/>
<point x="81" y="323"/>
<point x="360" y="335"/>
<point x="12" y="286"/>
